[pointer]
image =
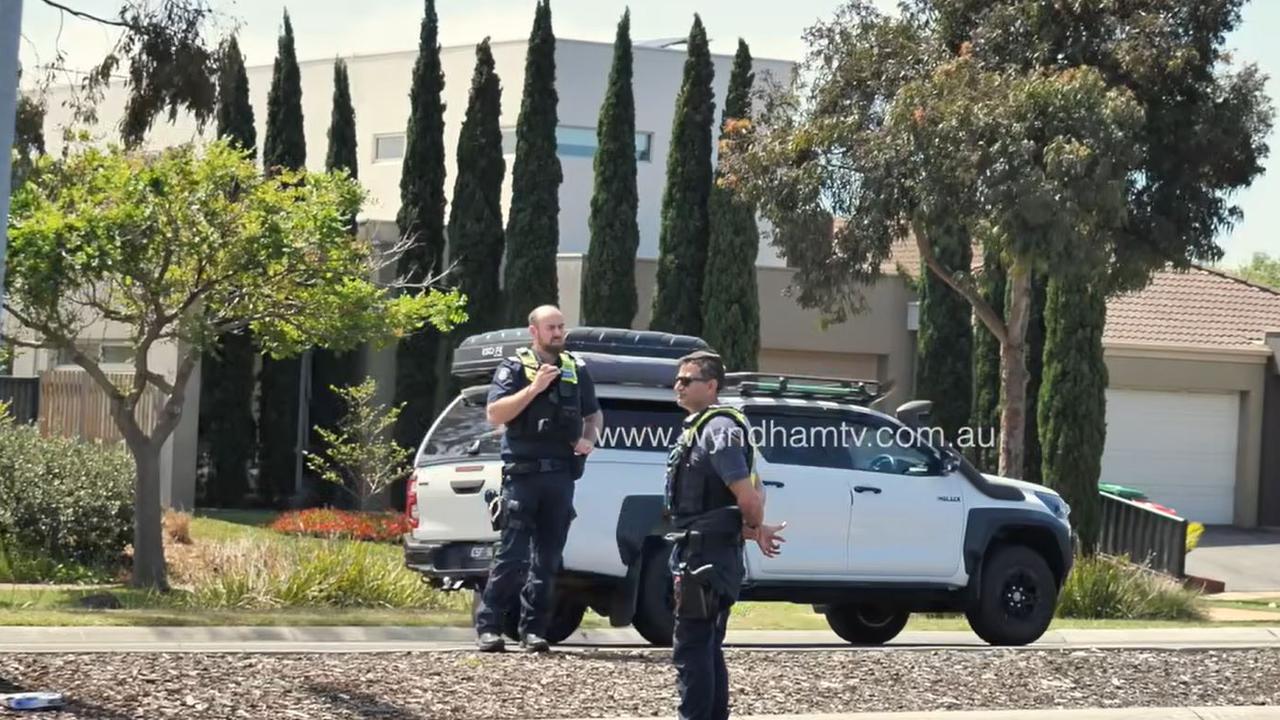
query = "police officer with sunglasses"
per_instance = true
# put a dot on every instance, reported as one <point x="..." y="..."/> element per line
<point x="714" y="500"/>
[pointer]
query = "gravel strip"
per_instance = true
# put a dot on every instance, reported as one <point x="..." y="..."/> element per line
<point x="613" y="683"/>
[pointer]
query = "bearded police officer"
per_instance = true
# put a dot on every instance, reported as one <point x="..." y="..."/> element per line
<point x="714" y="500"/>
<point x="545" y="398"/>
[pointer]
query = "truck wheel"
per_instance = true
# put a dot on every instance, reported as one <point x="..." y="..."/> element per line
<point x="866" y="624"/>
<point x="655" y="617"/>
<point x="1016" y="597"/>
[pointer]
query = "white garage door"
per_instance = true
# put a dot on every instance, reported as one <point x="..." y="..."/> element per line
<point x="1178" y="447"/>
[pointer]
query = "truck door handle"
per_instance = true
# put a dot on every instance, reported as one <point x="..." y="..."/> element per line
<point x="774" y="483"/>
<point x="866" y="488"/>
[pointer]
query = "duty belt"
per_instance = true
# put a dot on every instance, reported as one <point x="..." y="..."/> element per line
<point x="695" y="540"/>
<point x="524" y="467"/>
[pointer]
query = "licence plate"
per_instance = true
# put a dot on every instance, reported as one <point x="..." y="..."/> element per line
<point x="482" y="552"/>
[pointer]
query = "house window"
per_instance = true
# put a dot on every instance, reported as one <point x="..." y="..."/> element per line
<point x="580" y="142"/>
<point x="388" y="147"/>
<point x="115" y="355"/>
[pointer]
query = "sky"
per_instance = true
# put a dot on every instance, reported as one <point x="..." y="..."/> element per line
<point x="326" y="28"/>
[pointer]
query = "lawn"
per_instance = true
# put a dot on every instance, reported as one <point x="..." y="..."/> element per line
<point x="241" y="590"/>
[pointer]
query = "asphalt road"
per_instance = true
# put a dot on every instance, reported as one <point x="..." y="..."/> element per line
<point x="1246" y="560"/>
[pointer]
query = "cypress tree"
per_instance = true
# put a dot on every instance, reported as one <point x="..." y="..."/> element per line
<point x="1072" y="408"/>
<point x="943" y="343"/>
<point x="684" y="231"/>
<point x="985" y="418"/>
<point x="284" y="147"/>
<point x="730" y="301"/>
<point x="475" y="213"/>
<point x="226" y="422"/>
<point x="1035" y="376"/>
<point x="421" y="220"/>
<point x="533" y="231"/>
<point x="609" y="296"/>
<point x="330" y="368"/>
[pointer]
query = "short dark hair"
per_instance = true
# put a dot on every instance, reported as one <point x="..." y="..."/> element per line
<point x="710" y="366"/>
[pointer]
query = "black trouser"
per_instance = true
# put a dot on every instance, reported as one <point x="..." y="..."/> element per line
<point x="698" y="654"/>
<point x="701" y="675"/>
<point x="530" y="552"/>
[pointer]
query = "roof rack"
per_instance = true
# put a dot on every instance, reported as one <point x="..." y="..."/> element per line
<point x="860" y="391"/>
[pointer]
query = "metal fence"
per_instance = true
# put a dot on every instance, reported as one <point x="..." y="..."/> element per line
<point x="1149" y="537"/>
<point x="23" y="397"/>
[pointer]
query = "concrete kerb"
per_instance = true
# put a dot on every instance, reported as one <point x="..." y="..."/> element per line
<point x="1201" y="713"/>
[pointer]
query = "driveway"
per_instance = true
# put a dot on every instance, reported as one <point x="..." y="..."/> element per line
<point x="1246" y="560"/>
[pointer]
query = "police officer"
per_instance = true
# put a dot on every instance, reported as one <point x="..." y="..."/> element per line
<point x="714" y="501"/>
<point x="545" y="398"/>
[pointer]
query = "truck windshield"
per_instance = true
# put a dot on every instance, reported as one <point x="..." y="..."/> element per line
<point x="462" y="433"/>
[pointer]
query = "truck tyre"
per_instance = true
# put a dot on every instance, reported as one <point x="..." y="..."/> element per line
<point x="866" y="624"/>
<point x="1016" y="599"/>
<point x="655" y="616"/>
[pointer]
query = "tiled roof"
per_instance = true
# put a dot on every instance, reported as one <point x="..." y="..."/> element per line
<point x="1195" y="307"/>
<point x="1198" y="307"/>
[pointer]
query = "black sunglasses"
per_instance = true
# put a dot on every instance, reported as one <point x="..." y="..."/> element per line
<point x="682" y="380"/>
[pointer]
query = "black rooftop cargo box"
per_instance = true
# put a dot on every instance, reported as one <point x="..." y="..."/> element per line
<point x="478" y="356"/>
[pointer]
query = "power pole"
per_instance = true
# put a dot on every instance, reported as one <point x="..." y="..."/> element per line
<point x="10" y="31"/>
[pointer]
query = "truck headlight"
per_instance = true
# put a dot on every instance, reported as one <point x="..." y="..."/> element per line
<point x="1056" y="504"/>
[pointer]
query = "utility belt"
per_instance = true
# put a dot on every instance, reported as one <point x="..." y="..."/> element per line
<point x="574" y="466"/>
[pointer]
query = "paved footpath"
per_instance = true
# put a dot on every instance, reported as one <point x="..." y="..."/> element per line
<point x="1202" y="713"/>
<point x="401" y="639"/>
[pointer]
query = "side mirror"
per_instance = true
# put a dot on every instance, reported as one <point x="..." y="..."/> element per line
<point x="914" y="414"/>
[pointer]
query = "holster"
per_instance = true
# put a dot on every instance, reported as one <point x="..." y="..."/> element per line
<point x="500" y="509"/>
<point x="695" y="595"/>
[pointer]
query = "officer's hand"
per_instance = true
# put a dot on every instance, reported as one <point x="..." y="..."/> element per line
<point x="584" y="447"/>
<point x="546" y="373"/>
<point x="769" y="540"/>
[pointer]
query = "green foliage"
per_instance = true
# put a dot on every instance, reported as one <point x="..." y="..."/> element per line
<point x="286" y="144"/>
<point x="299" y="572"/>
<point x="62" y="503"/>
<point x="356" y="456"/>
<point x="342" y="153"/>
<point x="609" y="295"/>
<point x="730" y="296"/>
<point x="28" y="137"/>
<point x="420" y="221"/>
<point x="533" y="229"/>
<point x="189" y="244"/>
<point x="945" y="339"/>
<point x="234" y="112"/>
<point x="1263" y="270"/>
<point x="1073" y="403"/>
<point x="986" y="361"/>
<point x="1106" y="588"/>
<point x="684" y="232"/>
<point x="475" y="216"/>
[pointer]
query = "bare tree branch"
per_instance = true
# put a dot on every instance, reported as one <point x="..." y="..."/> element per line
<point x="87" y="16"/>
<point x="172" y="411"/>
<point x="965" y="286"/>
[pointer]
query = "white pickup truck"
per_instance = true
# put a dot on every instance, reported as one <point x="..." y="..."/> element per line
<point x="876" y="529"/>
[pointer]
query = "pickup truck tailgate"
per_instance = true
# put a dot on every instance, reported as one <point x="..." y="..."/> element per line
<point x="451" y="505"/>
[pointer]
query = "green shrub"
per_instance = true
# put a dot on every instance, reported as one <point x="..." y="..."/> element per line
<point x="1107" y="588"/>
<point x="62" y="499"/>
<point x="285" y="573"/>
<point x="22" y="565"/>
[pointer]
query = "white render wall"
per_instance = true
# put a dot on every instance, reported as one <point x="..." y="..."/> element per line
<point x="380" y="94"/>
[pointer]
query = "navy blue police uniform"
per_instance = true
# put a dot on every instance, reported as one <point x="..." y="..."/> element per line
<point x="539" y="471"/>
<point x="707" y="561"/>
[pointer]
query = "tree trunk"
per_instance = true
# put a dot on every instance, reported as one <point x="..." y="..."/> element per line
<point x="1013" y="371"/>
<point x="148" y="542"/>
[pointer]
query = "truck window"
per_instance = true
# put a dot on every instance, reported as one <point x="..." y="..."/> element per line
<point x="463" y="432"/>
<point x="649" y="425"/>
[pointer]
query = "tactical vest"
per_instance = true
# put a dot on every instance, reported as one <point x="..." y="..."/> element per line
<point x="693" y="492"/>
<point x="555" y="415"/>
